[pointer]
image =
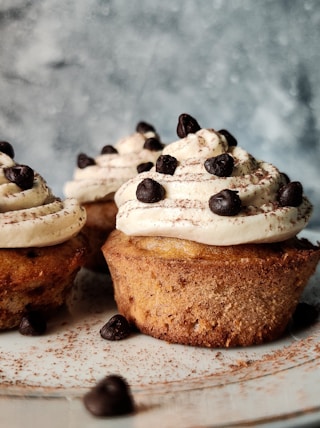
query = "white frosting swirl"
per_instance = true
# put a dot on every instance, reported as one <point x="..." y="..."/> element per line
<point x="185" y="213"/>
<point x="35" y="217"/>
<point x="100" y="181"/>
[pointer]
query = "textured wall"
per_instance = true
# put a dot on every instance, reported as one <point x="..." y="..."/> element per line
<point x="78" y="74"/>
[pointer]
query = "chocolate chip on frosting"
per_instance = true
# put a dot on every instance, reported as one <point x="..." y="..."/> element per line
<point x="7" y="148"/>
<point x="144" y="127"/>
<point x="153" y="144"/>
<point x="145" y="166"/>
<point x="83" y="161"/>
<point x="166" y="164"/>
<point x="109" y="397"/>
<point x="21" y="175"/>
<point x="187" y="125"/>
<point x="291" y="194"/>
<point x="150" y="191"/>
<point x="285" y="177"/>
<point x="117" y="328"/>
<point x="231" y="140"/>
<point x="225" y="203"/>
<point x="221" y="165"/>
<point x="108" y="150"/>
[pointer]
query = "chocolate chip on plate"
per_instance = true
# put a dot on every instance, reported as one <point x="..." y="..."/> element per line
<point x="221" y="165"/>
<point x="166" y="164"/>
<point x="225" y="203"/>
<point x="21" y="175"/>
<point x="108" y="150"/>
<point x="144" y="127"/>
<point x="153" y="144"/>
<point x="117" y="328"/>
<point x="231" y="140"/>
<point x="83" y="161"/>
<point x="109" y="397"/>
<point x="7" y="148"/>
<point x="150" y="191"/>
<point x="187" y="125"/>
<point x="290" y="195"/>
<point x="304" y="315"/>
<point x="145" y="166"/>
<point x="33" y="324"/>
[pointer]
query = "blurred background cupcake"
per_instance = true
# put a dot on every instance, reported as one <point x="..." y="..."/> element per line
<point x="75" y="72"/>
<point x="96" y="179"/>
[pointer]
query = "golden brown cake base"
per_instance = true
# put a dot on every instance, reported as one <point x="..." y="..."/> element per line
<point x="101" y="220"/>
<point x="37" y="278"/>
<point x="194" y="294"/>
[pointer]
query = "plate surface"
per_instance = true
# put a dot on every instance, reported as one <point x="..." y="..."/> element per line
<point x="44" y="378"/>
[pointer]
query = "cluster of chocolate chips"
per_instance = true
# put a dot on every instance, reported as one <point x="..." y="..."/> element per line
<point x="153" y="144"/>
<point x="21" y="175"/>
<point x="225" y="203"/>
<point x="109" y="397"/>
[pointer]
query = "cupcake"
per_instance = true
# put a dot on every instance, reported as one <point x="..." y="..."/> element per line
<point x="96" y="180"/>
<point x="205" y="250"/>
<point x="41" y="246"/>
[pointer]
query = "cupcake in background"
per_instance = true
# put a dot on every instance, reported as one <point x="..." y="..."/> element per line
<point x="41" y="244"/>
<point x="95" y="181"/>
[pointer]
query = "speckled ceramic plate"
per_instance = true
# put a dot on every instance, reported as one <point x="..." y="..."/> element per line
<point x="44" y="378"/>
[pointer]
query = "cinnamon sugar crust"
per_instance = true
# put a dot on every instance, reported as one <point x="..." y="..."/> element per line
<point x="195" y="294"/>
<point x="37" y="278"/>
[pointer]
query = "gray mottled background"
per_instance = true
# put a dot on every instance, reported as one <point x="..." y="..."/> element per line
<point x="78" y="74"/>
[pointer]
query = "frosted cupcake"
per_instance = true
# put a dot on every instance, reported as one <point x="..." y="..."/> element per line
<point x="205" y="252"/>
<point x="41" y="247"/>
<point x="96" y="180"/>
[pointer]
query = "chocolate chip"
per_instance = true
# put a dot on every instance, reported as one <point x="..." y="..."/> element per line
<point x="32" y="253"/>
<point x="150" y="191"/>
<point x="304" y="315"/>
<point x="108" y="150"/>
<point x="7" y="148"/>
<point x="144" y="127"/>
<point x="117" y="328"/>
<point x="285" y="177"/>
<point x="221" y="165"/>
<point x="146" y="166"/>
<point x="229" y="137"/>
<point x="33" y="324"/>
<point x="187" y="125"/>
<point x="21" y="175"/>
<point x="83" y="161"/>
<point x="153" y="144"/>
<point x="166" y="164"/>
<point x="290" y="195"/>
<point x="225" y="203"/>
<point x="109" y="397"/>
